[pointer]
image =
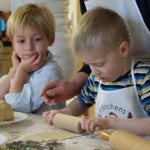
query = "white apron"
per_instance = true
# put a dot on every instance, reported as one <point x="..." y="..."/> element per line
<point x="129" y="10"/>
<point x="122" y="103"/>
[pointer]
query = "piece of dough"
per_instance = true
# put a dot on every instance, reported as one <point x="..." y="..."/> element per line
<point x="6" y="111"/>
<point x="51" y="136"/>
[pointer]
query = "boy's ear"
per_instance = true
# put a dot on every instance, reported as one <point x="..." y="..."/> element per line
<point x="51" y="40"/>
<point x="124" y="49"/>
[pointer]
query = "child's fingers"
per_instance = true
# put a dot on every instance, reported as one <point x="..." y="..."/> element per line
<point x="48" y="116"/>
<point x="82" y="121"/>
<point x="33" y="58"/>
<point x="96" y="125"/>
<point x="39" y="60"/>
<point x="86" y="123"/>
<point x="45" y="115"/>
<point x="88" y="126"/>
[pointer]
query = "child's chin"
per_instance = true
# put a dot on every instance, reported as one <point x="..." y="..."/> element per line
<point x="104" y="81"/>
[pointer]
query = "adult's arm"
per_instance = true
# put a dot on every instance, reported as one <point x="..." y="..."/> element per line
<point x="60" y="90"/>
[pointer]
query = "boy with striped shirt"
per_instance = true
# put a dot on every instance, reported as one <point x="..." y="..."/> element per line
<point x="118" y="85"/>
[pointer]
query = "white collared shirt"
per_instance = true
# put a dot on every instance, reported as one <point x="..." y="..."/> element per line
<point x="29" y="99"/>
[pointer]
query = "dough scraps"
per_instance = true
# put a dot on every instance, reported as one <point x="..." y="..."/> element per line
<point x="51" y="136"/>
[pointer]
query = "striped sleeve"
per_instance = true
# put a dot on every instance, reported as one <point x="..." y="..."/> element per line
<point x="142" y="75"/>
<point x="89" y="92"/>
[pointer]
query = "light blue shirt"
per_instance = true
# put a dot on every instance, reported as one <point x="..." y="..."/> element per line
<point x="29" y="100"/>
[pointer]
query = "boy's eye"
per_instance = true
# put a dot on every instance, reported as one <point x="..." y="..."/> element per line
<point x="38" y="39"/>
<point x="98" y="65"/>
<point x="21" y="41"/>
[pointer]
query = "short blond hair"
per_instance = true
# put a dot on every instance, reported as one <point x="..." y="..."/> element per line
<point x="34" y="16"/>
<point x="99" y="29"/>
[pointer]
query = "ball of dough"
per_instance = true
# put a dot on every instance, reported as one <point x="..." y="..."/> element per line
<point x="6" y="110"/>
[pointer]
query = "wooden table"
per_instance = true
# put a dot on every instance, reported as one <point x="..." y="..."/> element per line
<point x="35" y="124"/>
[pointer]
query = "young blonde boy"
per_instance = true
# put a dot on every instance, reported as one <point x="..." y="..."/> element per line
<point x="31" y="29"/>
<point x="118" y="85"/>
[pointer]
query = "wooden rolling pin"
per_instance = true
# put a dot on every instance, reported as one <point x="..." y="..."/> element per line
<point x="123" y="140"/>
<point x="67" y="122"/>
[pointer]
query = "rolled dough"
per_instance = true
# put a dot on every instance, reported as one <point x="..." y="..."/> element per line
<point x="51" y="136"/>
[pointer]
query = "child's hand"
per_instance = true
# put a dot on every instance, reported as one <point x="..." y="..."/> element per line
<point x="88" y="124"/>
<point x="91" y="125"/>
<point x="49" y="115"/>
<point x="34" y="63"/>
<point x="15" y="59"/>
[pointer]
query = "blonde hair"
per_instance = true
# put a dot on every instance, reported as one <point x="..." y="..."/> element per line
<point x="34" y="16"/>
<point x="99" y="29"/>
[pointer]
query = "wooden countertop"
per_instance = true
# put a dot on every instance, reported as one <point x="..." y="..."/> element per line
<point x="35" y="124"/>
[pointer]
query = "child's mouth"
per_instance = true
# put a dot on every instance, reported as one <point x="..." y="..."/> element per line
<point x="104" y="79"/>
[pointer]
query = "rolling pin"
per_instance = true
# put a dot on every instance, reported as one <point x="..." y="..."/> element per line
<point x="123" y="140"/>
<point x="67" y="122"/>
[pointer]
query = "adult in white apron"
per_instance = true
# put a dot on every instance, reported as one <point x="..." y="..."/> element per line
<point x="61" y="49"/>
<point x="122" y="103"/>
<point x="129" y="10"/>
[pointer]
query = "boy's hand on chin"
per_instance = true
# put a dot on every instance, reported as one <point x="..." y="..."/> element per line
<point x="15" y="59"/>
<point x="34" y="63"/>
<point x="40" y="61"/>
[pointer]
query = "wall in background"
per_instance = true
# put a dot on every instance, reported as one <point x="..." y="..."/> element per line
<point x="74" y="15"/>
<point x="74" y="12"/>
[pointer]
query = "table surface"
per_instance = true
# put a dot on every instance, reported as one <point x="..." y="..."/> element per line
<point x="35" y="124"/>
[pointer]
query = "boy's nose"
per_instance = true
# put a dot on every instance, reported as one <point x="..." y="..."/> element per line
<point x="95" y="71"/>
<point x="29" y="45"/>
